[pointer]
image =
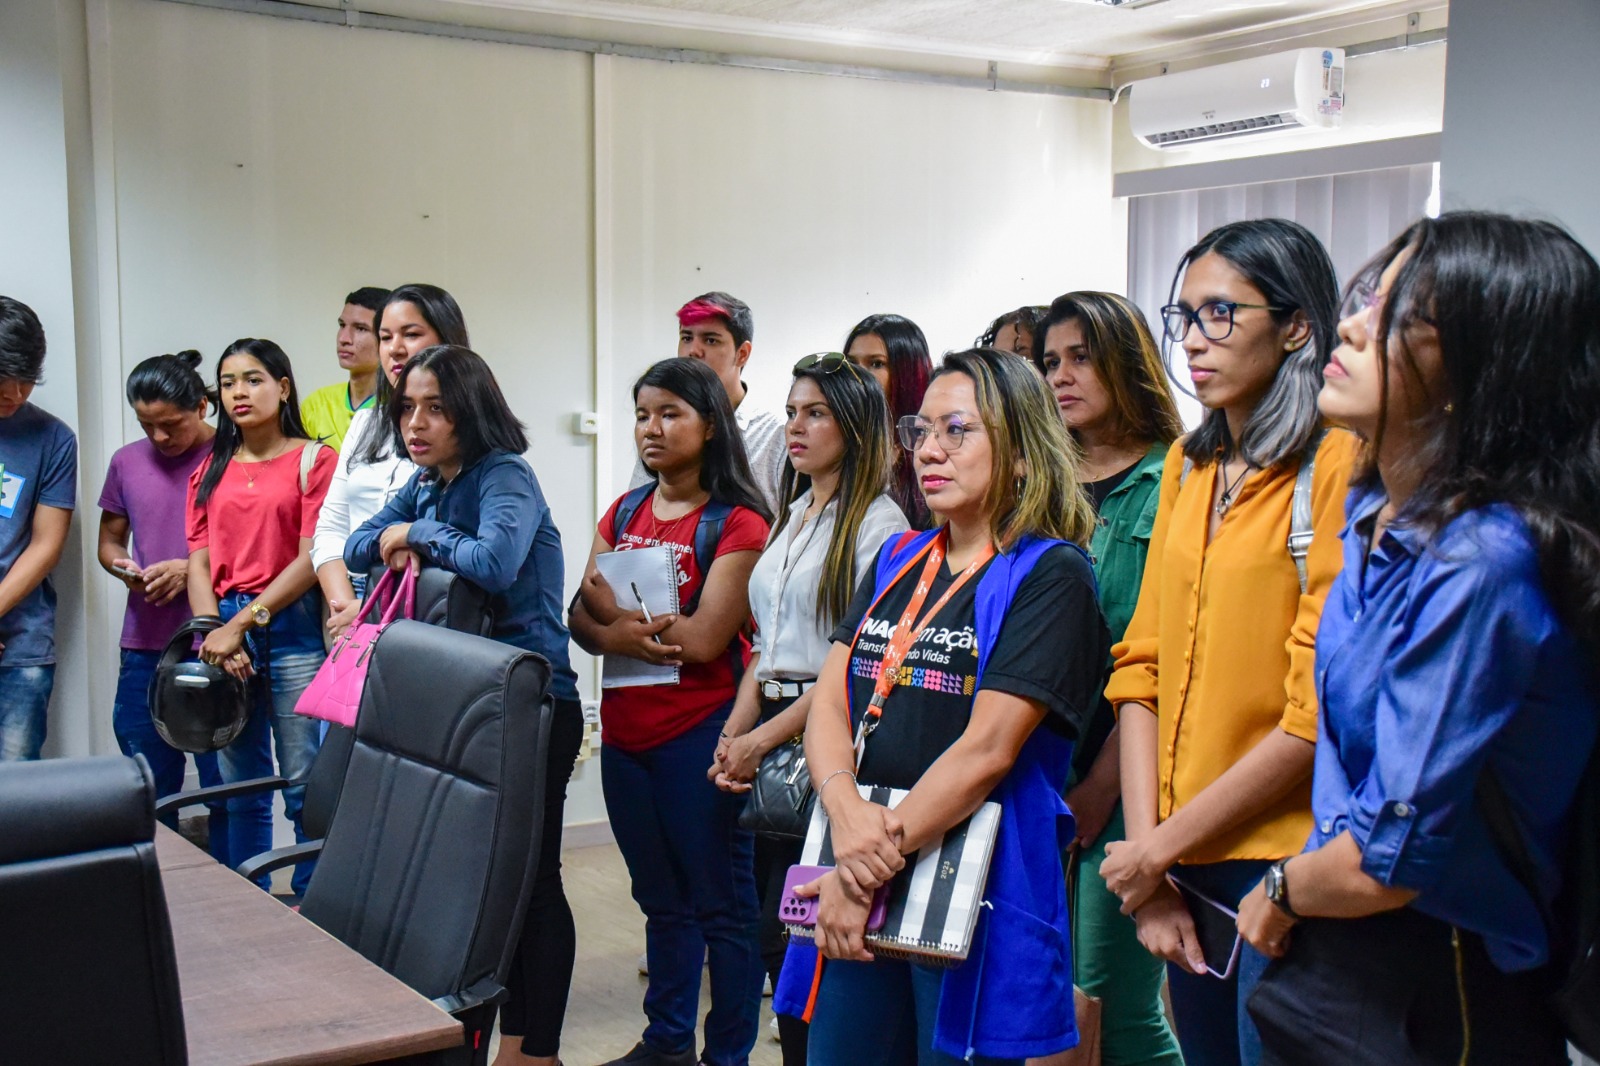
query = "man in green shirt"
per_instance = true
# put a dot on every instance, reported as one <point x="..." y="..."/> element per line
<point x="327" y="411"/>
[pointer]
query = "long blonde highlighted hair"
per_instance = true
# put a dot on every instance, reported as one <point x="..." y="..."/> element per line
<point x="1024" y="426"/>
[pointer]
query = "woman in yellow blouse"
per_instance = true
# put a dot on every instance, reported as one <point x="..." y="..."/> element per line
<point x="1213" y="680"/>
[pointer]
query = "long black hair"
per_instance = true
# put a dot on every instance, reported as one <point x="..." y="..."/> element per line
<point x="910" y="367"/>
<point x="861" y="412"/>
<point x="276" y="363"/>
<point x="1516" y="306"/>
<point x="724" y="467"/>
<point x="471" y="399"/>
<point x="173" y="379"/>
<point x="1292" y="269"/>
<point x="439" y="310"/>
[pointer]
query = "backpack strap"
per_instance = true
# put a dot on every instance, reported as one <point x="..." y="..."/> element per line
<point x="308" y="459"/>
<point x="627" y="507"/>
<point x="1506" y="833"/>
<point x="707" y="535"/>
<point x="1301" y="526"/>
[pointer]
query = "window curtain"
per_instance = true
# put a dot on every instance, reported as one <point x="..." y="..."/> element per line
<point x="1354" y="215"/>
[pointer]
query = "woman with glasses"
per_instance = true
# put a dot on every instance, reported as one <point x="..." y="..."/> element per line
<point x="1098" y="357"/>
<point x="1216" y="706"/>
<point x="893" y="350"/>
<point x="1013" y="331"/>
<point x="1454" y="661"/>
<point x="942" y="647"/>
<point x="835" y="518"/>
<point x="689" y="862"/>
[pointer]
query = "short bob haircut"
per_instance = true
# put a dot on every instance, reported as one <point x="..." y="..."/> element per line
<point x="1125" y="357"/>
<point x="724" y="467"/>
<point x="439" y="310"/>
<point x="1292" y="269"/>
<point x="1023" y="423"/>
<point x="471" y="399"/>
<point x="1516" y="306"/>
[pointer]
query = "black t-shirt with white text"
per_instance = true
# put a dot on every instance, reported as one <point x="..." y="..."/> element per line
<point x="1052" y="647"/>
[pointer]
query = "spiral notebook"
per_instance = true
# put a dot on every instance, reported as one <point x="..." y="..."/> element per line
<point x="654" y="572"/>
<point x="934" y="901"/>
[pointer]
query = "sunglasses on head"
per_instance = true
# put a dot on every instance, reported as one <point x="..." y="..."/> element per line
<point x="822" y="363"/>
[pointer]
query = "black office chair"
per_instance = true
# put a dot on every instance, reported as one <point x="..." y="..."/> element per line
<point x="433" y="847"/>
<point x="444" y="599"/>
<point x="87" y="973"/>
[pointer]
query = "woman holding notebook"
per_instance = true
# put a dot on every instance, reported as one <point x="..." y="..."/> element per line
<point x="940" y="654"/>
<point x="690" y="863"/>
<point x="836" y="516"/>
<point x="475" y="508"/>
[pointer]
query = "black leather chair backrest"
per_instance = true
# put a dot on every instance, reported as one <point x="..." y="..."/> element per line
<point x="447" y="599"/>
<point x="87" y="973"/>
<point x="426" y="863"/>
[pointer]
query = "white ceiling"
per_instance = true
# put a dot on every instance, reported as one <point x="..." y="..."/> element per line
<point x="1054" y="32"/>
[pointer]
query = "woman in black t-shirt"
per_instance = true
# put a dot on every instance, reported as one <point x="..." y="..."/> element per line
<point x="997" y="468"/>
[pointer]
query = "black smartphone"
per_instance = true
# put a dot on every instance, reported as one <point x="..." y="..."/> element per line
<point x="1217" y="926"/>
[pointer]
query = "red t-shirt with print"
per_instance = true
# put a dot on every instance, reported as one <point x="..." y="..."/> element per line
<point x="636" y="719"/>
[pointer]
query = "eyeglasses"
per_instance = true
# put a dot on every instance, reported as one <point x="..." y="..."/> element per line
<point x="1214" y="318"/>
<point x="914" y="429"/>
<point x="822" y="363"/>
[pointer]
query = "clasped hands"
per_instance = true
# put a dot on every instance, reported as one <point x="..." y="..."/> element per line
<point x="866" y="852"/>
<point x="1138" y="875"/>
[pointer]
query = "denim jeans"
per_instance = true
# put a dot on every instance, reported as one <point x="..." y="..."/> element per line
<point x="24" y="709"/>
<point x="287" y="656"/>
<point x="693" y="876"/>
<point x="880" y="1013"/>
<point x="136" y="735"/>
<point x="1214" y="1029"/>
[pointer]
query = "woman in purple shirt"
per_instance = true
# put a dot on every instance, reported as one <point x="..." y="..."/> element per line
<point x="1456" y="654"/>
<point x="144" y="496"/>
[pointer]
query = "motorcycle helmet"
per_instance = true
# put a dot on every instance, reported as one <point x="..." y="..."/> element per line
<point x="194" y="705"/>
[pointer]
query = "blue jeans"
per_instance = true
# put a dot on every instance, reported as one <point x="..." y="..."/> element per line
<point x="693" y="875"/>
<point x="24" y="709"/>
<point x="879" y="1013"/>
<point x="287" y="656"/>
<point x="1214" y="1029"/>
<point x="136" y="735"/>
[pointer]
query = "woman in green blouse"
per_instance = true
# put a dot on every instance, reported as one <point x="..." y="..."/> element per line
<point x="1098" y="356"/>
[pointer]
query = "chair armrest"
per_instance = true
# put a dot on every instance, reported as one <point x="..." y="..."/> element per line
<point x="179" y="800"/>
<point x="486" y="992"/>
<point x="278" y="858"/>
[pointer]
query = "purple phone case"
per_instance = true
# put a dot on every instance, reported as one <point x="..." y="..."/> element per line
<point x="792" y="910"/>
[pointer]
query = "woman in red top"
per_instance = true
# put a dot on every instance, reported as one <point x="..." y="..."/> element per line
<point x="252" y="509"/>
<point x="690" y="864"/>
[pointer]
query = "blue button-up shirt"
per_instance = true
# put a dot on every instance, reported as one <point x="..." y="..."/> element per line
<point x="1435" y="660"/>
<point x="492" y="526"/>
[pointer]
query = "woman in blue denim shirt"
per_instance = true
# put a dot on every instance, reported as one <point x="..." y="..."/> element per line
<point x="1459" y="640"/>
<point x="475" y="508"/>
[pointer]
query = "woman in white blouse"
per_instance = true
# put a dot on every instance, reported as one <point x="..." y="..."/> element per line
<point x="371" y="470"/>
<point x="834" y="517"/>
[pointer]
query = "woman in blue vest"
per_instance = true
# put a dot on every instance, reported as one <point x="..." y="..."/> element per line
<point x="1455" y="666"/>
<point x="989" y="642"/>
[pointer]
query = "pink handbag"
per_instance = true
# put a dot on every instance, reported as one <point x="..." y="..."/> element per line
<point x="334" y="695"/>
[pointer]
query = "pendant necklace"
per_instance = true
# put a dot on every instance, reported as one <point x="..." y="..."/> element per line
<point x="1226" y="499"/>
<point x="252" y="469"/>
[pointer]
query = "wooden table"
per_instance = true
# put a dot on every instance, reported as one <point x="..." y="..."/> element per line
<point x="263" y="985"/>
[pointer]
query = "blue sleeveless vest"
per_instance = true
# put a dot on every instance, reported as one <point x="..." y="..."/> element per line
<point x="1012" y="998"/>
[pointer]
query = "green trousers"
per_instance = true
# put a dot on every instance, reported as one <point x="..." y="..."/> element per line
<point x="1111" y="964"/>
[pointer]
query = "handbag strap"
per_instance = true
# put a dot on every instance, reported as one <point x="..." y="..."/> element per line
<point x="384" y="585"/>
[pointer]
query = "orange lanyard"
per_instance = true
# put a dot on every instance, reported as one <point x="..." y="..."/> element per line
<point x="908" y="629"/>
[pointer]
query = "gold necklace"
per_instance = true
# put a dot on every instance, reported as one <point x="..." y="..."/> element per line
<point x="252" y="470"/>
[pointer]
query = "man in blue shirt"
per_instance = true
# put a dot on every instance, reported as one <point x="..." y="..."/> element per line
<point x="38" y="490"/>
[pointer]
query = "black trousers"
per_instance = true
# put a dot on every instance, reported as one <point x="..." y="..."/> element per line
<point x="541" y="973"/>
<point x="1400" y="989"/>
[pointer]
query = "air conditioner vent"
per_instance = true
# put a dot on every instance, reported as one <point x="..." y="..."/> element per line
<point x="1221" y="131"/>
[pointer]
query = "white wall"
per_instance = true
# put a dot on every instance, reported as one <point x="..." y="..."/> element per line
<point x="246" y="172"/>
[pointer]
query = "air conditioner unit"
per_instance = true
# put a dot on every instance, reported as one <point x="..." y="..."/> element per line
<point x="1297" y="90"/>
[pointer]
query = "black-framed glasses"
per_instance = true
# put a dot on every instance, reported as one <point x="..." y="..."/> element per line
<point x="1214" y="319"/>
<point x="822" y="362"/>
<point x="914" y="429"/>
